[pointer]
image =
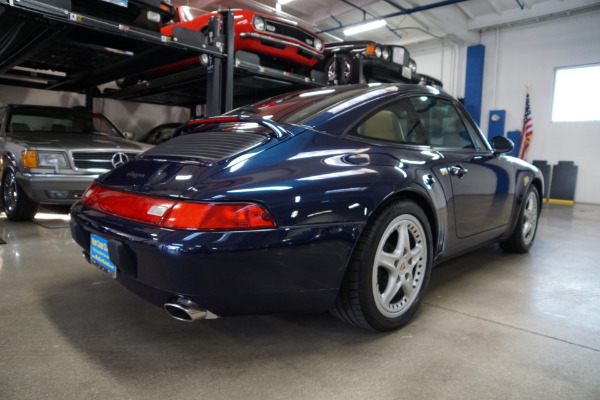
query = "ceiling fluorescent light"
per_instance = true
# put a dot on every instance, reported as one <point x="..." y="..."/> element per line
<point x="284" y="1"/>
<point x="365" y="27"/>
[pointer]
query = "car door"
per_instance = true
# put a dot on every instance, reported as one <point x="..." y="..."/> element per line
<point x="2" y="135"/>
<point x="482" y="183"/>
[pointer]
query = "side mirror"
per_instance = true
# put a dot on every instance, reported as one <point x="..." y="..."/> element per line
<point x="502" y="144"/>
<point x="129" y="135"/>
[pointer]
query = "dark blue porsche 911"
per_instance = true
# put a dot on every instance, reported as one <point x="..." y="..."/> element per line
<point x="337" y="199"/>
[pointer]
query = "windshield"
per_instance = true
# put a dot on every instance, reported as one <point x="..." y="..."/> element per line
<point x="58" y="120"/>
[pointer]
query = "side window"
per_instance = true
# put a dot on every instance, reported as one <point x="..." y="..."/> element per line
<point x="480" y="143"/>
<point x="396" y="123"/>
<point x="442" y="123"/>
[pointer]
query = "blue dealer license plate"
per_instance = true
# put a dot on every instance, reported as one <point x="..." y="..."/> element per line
<point x="99" y="255"/>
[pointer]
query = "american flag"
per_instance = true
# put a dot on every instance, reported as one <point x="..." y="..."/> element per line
<point x="527" y="130"/>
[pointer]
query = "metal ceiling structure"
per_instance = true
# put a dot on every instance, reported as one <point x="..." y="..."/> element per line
<point x="408" y="21"/>
<point x="45" y="48"/>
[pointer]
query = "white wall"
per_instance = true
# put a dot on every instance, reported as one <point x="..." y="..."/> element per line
<point x="444" y="60"/>
<point x="128" y="116"/>
<point x="527" y="55"/>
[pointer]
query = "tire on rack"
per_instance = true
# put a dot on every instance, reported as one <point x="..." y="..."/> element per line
<point x="523" y="234"/>
<point x="347" y="69"/>
<point x="389" y="270"/>
<point x="127" y="81"/>
<point x="15" y="203"/>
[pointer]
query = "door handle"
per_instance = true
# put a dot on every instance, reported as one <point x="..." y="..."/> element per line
<point x="458" y="170"/>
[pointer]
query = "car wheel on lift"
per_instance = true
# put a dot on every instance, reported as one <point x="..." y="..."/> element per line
<point x="127" y="81"/>
<point x="347" y="73"/>
<point x="15" y="203"/>
<point x="389" y="270"/>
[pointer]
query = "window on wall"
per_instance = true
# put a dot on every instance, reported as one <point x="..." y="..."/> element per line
<point x="576" y="94"/>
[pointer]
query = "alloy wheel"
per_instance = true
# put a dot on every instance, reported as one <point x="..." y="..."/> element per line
<point x="399" y="266"/>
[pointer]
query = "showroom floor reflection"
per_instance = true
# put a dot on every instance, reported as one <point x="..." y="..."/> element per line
<point x="493" y="325"/>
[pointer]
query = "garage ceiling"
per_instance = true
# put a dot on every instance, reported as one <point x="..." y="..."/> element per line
<point x="457" y="20"/>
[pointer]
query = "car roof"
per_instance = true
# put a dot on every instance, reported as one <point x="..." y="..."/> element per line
<point x="315" y="107"/>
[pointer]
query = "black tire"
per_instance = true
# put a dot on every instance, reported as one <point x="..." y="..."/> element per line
<point x="347" y="70"/>
<point x="523" y="235"/>
<point x="15" y="203"/>
<point x="398" y="241"/>
<point x="127" y="81"/>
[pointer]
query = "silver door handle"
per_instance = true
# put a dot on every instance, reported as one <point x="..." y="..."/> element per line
<point x="458" y="170"/>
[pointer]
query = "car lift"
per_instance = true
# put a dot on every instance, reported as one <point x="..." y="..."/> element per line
<point x="47" y="46"/>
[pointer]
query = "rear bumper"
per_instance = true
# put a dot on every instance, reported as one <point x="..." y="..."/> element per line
<point x="387" y="71"/>
<point x="54" y="188"/>
<point x="228" y="273"/>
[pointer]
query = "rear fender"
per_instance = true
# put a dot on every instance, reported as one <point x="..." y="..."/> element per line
<point x="436" y="215"/>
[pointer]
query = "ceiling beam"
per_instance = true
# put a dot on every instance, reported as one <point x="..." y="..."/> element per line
<point x="337" y="9"/>
<point x="415" y="9"/>
<point x="494" y="6"/>
<point x="465" y="11"/>
<point x="538" y="10"/>
<point x="448" y="21"/>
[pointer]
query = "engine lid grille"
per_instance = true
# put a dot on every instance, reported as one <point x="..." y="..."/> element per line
<point x="209" y="147"/>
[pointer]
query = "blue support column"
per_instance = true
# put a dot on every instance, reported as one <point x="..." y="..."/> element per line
<point x="474" y="81"/>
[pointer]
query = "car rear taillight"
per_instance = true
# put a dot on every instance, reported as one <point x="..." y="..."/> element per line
<point x="175" y="214"/>
<point x="222" y="216"/>
<point x="214" y="120"/>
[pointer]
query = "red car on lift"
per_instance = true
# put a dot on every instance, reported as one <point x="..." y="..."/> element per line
<point x="276" y="40"/>
<point x="279" y="43"/>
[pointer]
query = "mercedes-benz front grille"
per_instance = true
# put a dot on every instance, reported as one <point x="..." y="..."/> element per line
<point x="100" y="160"/>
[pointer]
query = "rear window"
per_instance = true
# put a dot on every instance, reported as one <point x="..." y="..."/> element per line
<point x="316" y="102"/>
<point x="298" y="108"/>
<point x="53" y="120"/>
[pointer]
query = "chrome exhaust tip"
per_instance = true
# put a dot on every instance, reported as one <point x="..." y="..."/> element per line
<point x="185" y="310"/>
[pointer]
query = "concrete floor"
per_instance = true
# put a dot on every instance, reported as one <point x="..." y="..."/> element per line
<point x="493" y="326"/>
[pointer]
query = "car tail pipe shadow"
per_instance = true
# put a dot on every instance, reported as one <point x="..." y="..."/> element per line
<point x="183" y="309"/>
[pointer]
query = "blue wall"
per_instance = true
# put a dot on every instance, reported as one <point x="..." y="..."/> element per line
<point x="474" y="81"/>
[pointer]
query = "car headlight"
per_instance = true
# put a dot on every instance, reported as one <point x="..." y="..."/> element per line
<point x="52" y="159"/>
<point x="318" y="44"/>
<point x="259" y="23"/>
<point x="203" y="59"/>
<point x="377" y="52"/>
<point x="412" y="65"/>
<point x="153" y="16"/>
<point x="386" y="54"/>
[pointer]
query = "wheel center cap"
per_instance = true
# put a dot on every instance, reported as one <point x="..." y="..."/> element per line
<point x="402" y="266"/>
